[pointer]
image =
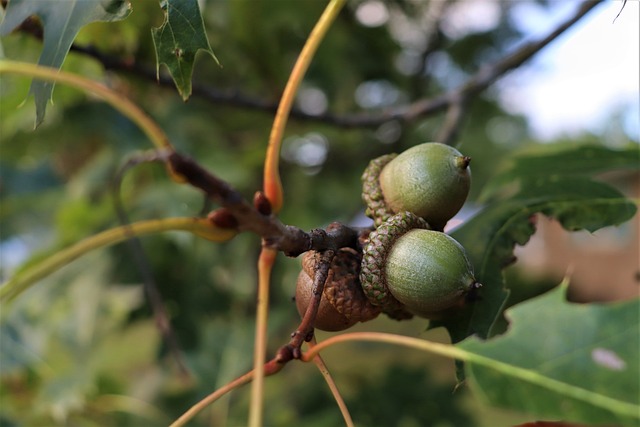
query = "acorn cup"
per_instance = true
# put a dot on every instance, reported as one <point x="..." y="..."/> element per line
<point x="343" y="303"/>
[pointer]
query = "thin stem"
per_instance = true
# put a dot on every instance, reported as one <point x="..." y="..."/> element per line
<point x="451" y="126"/>
<point x="149" y="283"/>
<point x="274" y="193"/>
<point x="200" y="406"/>
<point x="265" y="265"/>
<point x="417" y="343"/>
<point x="23" y="280"/>
<point x="526" y="375"/>
<point x="116" y="100"/>
<point x="272" y="367"/>
<point x="272" y="182"/>
<point x="322" y="367"/>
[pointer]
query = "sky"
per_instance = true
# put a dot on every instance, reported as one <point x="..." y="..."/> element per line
<point x="588" y="74"/>
<point x="575" y="84"/>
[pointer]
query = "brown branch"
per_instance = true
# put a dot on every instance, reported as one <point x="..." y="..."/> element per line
<point x="477" y="83"/>
<point x="458" y="100"/>
<point x="452" y="122"/>
<point x="304" y="332"/>
<point x="239" y="213"/>
<point x="487" y="75"/>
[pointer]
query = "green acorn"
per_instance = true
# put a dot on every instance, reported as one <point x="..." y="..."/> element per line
<point x="430" y="180"/>
<point x="408" y="269"/>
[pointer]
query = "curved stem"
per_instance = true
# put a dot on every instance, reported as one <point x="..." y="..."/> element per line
<point x="445" y="350"/>
<point x="116" y="100"/>
<point x="272" y="182"/>
<point x="23" y="280"/>
<point x="453" y="352"/>
<point x="272" y="367"/>
<point x="274" y="193"/>
<point x="322" y="367"/>
<point x="198" y="407"/>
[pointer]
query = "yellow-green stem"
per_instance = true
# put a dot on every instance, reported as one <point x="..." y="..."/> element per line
<point x="23" y="280"/>
<point x="274" y="193"/>
<point x="458" y="353"/>
<point x="198" y="407"/>
<point x="117" y="101"/>
<point x="265" y="265"/>
<point x="272" y="182"/>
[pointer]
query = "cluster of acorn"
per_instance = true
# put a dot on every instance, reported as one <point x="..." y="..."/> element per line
<point x="408" y="266"/>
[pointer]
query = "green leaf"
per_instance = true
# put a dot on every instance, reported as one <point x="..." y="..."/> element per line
<point x="70" y="334"/>
<point x="178" y="40"/>
<point x="559" y="160"/>
<point x="562" y="361"/>
<point x="489" y="238"/>
<point x="552" y="180"/>
<point x="61" y="21"/>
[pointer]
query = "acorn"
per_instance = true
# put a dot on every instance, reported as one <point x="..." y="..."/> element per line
<point x="343" y="302"/>
<point x="409" y="269"/>
<point x="430" y="180"/>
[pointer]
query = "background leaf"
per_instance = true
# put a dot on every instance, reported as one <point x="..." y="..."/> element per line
<point x="576" y="201"/>
<point x="581" y="361"/>
<point x="177" y="41"/>
<point x="61" y="22"/>
<point x="559" y="160"/>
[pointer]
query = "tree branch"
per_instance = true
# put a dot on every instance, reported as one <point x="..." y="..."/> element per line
<point x="477" y="83"/>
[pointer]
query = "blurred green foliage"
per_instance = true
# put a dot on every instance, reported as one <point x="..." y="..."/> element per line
<point x="81" y="347"/>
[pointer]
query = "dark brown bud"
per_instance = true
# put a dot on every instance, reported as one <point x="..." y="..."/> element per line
<point x="223" y="218"/>
<point x="261" y="203"/>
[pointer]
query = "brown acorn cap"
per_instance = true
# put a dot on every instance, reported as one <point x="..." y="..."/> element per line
<point x="374" y="257"/>
<point x="342" y="291"/>
<point x="372" y="193"/>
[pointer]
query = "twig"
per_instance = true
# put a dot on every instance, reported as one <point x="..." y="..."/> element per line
<point x="271" y="367"/>
<point x="452" y="121"/>
<point x="149" y="283"/>
<point x="322" y="367"/>
<point x="221" y="225"/>
<point x="624" y="3"/>
<point x="458" y="100"/>
<point x="286" y="238"/>
<point x="304" y="332"/>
